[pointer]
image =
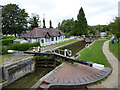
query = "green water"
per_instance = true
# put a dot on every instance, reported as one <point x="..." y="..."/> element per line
<point x="28" y="80"/>
<point x="75" y="47"/>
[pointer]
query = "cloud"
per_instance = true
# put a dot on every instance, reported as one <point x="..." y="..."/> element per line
<point x="96" y="11"/>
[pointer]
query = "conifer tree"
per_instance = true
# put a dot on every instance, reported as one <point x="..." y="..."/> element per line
<point x="82" y="27"/>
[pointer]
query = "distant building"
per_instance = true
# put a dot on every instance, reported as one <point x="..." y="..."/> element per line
<point x="19" y="41"/>
<point x="46" y="36"/>
<point x="103" y="34"/>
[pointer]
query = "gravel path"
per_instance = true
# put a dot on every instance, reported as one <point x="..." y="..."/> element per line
<point x="112" y="80"/>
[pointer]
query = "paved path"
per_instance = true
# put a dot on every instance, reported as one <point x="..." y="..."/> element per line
<point x="112" y="80"/>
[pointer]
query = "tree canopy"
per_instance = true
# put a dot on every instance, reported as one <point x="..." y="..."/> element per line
<point x="77" y="27"/>
<point x="34" y="21"/>
<point x="80" y="24"/>
<point x="14" y="19"/>
<point x="67" y="26"/>
<point x="114" y="27"/>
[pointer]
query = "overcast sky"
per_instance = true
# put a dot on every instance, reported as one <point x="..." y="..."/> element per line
<point x="96" y="11"/>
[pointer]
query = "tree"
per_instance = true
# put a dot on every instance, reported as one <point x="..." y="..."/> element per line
<point x="14" y="19"/>
<point x="92" y="30"/>
<point x="67" y="26"/>
<point x="34" y="21"/>
<point x="81" y="24"/>
<point x="114" y="27"/>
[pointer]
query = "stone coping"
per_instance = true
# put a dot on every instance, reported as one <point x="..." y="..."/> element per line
<point x="84" y="80"/>
<point x="36" y="85"/>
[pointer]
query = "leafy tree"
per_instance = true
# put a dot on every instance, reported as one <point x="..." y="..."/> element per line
<point x="76" y="30"/>
<point x="114" y="27"/>
<point x="81" y="24"/>
<point x="14" y="19"/>
<point x="34" y="21"/>
<point x="105" y="28"/>
<point x="67" y="26"/>
<point x="92" y="30"/>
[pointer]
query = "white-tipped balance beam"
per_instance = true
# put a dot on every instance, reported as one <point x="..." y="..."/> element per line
<point x="13" y="51"/>
<point x="10" y="51"/>
<point x="98" y="66"/>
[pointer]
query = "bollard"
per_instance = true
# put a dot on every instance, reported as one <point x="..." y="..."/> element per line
<point x="33" y="49"/>
<point x="38" y="48"/>
<point x="65" y="51"/>
<point x="112" y="41"/>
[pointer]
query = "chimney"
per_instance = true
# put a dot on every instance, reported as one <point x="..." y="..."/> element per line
<point x="44" y="23"/>
<point x="59" y="25"/>
<point x="51" y="24"/>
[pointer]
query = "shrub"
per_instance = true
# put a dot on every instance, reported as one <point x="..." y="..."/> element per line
<point x="36" y="58"/>
<point x="6" y="42"/>
<point x="8" y="37"/>
<point x="23" y="46"/>
<point x="4" y="50"/>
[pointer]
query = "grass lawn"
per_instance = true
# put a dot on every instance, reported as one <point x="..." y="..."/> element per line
<point x="62" y="43"/>
<point x="114" y="48"/>
<point x="66" y="42"/>
<point x="94" y="54"/>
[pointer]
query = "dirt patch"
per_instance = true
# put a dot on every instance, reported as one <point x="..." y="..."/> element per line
<point x="15" y="57"/>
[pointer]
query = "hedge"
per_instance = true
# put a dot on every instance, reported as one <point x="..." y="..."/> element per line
<point x="4" y="50"/>
<point x="6" y="42"/>
<point x="23" y="47"/>
<point x="8" y="37"/>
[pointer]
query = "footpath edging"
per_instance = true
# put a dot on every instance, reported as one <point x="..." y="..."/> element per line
<point x="112" y="80"/>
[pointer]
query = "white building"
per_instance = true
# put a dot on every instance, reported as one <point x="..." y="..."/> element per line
<point x="103" y="34"/>
<point x="46" y="36"/>
<point x="20" y="41"/>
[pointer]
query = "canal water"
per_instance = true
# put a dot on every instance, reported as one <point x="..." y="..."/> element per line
<point x="75" y="47"/>
<point x="28" y="80"/>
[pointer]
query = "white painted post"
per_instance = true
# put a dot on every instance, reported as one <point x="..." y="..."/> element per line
<point x="38" y="48"/>
<point x="33" y="49"/>
<point x="65" y="51"/>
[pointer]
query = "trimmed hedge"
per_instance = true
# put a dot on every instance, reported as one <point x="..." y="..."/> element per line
<point x="8" y="37"/>
<point x="6" y="42"/>
<point x="23" y="46"/>
<point x="4" y="50"/>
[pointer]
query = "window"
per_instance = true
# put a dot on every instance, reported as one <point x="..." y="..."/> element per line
<point x="52" y="38"/>
<point x="42" y="41"/>
<point x="56" y="38"/>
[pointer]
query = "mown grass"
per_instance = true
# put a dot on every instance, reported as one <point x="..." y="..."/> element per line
<point x="66" y="42"/>
<point x="94" y="54"/>
<point x="114" y="48"/>
<point x="62" y="43"/>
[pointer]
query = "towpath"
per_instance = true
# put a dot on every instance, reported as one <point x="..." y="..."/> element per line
<point x="112" y="80"/>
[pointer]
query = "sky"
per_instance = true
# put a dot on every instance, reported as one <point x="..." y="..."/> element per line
<point x="96" y="11"/>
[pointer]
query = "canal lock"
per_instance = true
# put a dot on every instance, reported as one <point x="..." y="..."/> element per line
<point x="43" y="65"/>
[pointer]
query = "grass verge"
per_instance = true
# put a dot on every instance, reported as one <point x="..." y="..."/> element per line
<point x="94" y="54"/>
<point x="66" y="42"/>
<point x="62" y="43"/>
<point x="114" y="48"/>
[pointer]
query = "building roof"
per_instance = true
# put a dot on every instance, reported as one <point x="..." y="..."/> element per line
<point x="44" y="33"/>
